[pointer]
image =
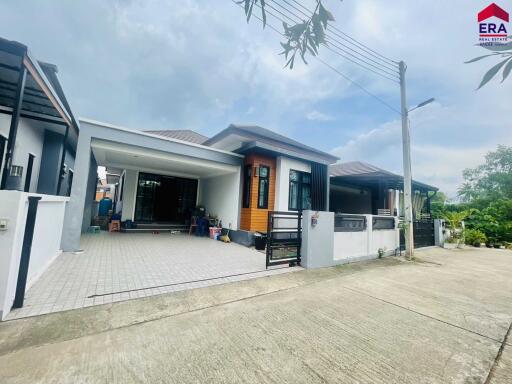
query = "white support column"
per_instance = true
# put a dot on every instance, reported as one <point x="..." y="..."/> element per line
<point x="75" y="208"/>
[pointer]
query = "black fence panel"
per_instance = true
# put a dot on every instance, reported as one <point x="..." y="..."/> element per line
<point x="423" y="234"/>
<point x="284" y="238"/>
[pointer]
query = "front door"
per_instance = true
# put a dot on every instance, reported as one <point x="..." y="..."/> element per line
<point x="164" y="199"/>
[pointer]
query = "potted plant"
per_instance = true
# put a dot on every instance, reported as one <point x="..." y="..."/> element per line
<point x="455" y="222"/>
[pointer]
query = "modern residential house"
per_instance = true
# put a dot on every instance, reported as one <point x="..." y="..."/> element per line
<point x="238" y="176"/>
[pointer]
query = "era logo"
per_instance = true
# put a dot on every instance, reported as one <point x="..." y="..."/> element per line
<point x="497" y="26"/>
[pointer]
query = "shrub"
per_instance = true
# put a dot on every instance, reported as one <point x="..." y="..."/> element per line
<point x="474" y="237"/>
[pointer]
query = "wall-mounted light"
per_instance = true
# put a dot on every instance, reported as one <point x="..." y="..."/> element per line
<point x="16" y="171"/>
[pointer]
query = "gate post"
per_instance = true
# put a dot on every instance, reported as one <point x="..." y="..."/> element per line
<point x="317" y="249"/>
<point x="438" y="232"/>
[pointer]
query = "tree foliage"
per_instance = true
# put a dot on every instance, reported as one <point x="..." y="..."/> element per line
<point x="491" y="180"/>
<point x="487" y="200"/>
<point x="302" y="38"/>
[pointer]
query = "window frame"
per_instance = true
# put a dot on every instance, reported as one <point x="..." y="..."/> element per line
<point x="246" y="197"/>
<point x="300" y="185"/>
<point x="267" y="188"/>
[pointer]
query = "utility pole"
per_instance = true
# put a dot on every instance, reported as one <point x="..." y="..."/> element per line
<point x="406" y="149"/>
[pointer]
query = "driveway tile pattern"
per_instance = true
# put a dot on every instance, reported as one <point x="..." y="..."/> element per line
<point x="117" y="266"/>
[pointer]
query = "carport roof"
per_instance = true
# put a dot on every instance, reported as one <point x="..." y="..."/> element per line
<point x="361" y="172"/>
<point x="43" y="94"/>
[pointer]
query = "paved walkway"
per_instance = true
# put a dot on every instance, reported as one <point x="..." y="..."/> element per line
<point x="118" y="266"/>
<point x="442" y="320"/>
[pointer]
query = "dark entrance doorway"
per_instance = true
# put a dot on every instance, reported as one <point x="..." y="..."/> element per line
<point x="164" y="199"/>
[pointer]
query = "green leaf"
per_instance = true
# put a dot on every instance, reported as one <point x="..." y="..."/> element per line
<point x="250" y="11"/>
<point x="324" y="15"/>
<point x="479" y="58"/>
<point x="507" y="69"/>
<point x="491" y="73"/>
<point x="263" y="13"/>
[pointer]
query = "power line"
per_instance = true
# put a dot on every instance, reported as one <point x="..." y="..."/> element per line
<point x="386" y="74"/>
<point x="364" y="54"/>
<point x="331" y="67"/>
<point x="355" y="42"/>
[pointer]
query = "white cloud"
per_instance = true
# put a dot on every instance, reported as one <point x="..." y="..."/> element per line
<point x="318" y="116"/>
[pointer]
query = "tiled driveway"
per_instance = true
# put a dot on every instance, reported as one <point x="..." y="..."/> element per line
<point x="117" y="266"/>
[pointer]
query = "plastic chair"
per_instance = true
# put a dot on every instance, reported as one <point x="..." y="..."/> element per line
<point x="114" y="226"/>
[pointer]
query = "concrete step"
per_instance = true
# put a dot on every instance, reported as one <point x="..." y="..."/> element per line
<point x="150" y="230"/>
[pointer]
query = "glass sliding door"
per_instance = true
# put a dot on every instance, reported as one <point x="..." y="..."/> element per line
<point x="165" y="199"/>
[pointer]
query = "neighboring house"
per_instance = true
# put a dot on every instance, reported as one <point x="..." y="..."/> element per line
<point x="361" y="188"/>
<point x="38" y="141"/>
<point x="38" y="133"/>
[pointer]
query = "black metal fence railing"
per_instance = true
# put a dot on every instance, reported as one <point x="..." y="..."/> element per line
<point x="423" y="234"/>
<point x="349" y="223"/>
<point x="382" y="223"/>
<point x="284" y="238"/>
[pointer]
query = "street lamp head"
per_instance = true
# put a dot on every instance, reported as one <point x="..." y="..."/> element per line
<point x="422" y="104"/>
<point x="425" y="102"/>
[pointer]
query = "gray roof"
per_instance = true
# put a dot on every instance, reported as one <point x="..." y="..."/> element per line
<point x="258" y="133"/>
<point x="181" y="134"/>
<point x="354" y="170"/>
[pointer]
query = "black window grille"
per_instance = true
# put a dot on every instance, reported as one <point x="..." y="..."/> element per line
<point x="299" y="191"/>
<point x="263" y="186"/>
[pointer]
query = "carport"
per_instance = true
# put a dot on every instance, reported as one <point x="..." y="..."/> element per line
<point x="116" y="266"/>
<point x="215" y="173"/>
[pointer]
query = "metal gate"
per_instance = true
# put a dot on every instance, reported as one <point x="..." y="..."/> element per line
<point x="423" y="234"/>
<point x="284" y="231"/>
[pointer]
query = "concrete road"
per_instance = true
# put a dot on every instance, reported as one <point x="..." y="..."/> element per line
<point x="442" y="319"/>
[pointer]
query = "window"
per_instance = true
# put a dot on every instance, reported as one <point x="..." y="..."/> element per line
<point x="263" y="184"/>
<point x="247" y="186"/>
<point x="299" y="191"/>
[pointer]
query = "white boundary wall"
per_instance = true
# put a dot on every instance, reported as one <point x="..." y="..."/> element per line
<point x="322" y="247"/>
<point x="45" y="243"/>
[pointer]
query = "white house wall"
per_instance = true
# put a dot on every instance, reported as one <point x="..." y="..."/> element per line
<point x="220" y="195"/>
<point x="283" y="167"/>
<point x="29" y="139"/>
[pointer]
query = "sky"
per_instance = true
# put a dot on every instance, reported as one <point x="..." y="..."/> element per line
<point x="197" y="64"/>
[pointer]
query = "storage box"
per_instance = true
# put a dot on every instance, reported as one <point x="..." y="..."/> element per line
<point x="215" y="232"/>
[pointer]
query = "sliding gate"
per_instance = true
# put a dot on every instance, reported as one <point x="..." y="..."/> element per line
<point x="284" y="238"/>
<point x="423" y="234"/>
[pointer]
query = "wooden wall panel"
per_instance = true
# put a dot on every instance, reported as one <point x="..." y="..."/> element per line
<point x="254" y="218"/>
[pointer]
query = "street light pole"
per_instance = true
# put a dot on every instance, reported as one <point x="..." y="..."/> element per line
<point x="406" y="150"/>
